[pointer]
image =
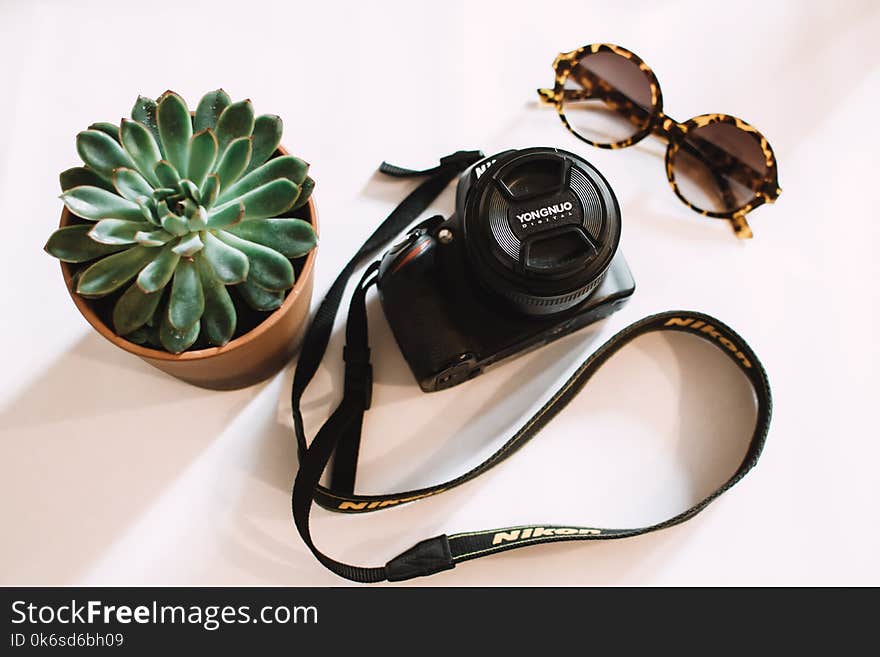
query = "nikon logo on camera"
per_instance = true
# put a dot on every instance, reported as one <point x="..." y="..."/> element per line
<point x="702" y="327"/>
<point x="540" y="532"/>
<point x="546" y="211"/>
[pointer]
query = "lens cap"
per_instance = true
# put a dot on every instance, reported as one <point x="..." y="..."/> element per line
<point x="542" y="226"/>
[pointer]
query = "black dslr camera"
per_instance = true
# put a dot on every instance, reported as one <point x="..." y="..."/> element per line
<point x="530" y="255"/>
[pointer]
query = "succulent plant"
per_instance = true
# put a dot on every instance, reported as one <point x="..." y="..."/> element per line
<point x="179" y="206"/>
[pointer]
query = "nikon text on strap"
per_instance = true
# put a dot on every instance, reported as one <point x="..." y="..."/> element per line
<point x="340" y="435"/>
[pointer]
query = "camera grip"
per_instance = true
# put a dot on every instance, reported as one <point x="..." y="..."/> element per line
<point x="420" y="318"/>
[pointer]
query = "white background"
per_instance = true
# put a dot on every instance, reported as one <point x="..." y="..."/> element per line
<point x="113" y="473"/>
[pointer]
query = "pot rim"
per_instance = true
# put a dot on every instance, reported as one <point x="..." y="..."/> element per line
<point x="199" y="354"/>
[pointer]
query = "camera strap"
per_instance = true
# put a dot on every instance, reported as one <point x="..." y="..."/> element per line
<point x="340" y="435"/>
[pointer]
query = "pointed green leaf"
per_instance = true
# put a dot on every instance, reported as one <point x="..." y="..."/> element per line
<point x="141" y="146"/>
<point x="219" y="318"/>
<point x="228" y="216"/>
<point x="117" y="231"/>
<point x="304" y="194"/>
<point x="82" y="177"/>
<point x="131" y="185"/>
<point x="108" y="129"/>
<point x="101" y="153"/>
<point x="191" y="192"/>
<point x="73" y="244"/>
<point x="236" y="121"/>
<point x="153" y="238"/>
<point x="293" y="238"/>
<point x="149" y="209"/>
<point x="187" y="301"/>
<point x="199" y="219"/>
<point x="267" y="137"/>
<point x="288" y="166"/>
<point x="156" y="275"/>
<point x="202" y="155"/>
<point x="175" y="130"/>
<point x="233" y="161"/>
<point x="270" y="200"/>
<point x="210" y="108"/>
<point x="174" y="340"/>
<point x="145" y="335"/>
<point x="114" y="271"/>
<point x="144" y="112"/>
<point x="94" y="203"/>
<point x="210" y="189"/>
<point x="268" y="269"/>
<point x="189" y="246"/>
<point x="133" y="309"/>
<point x="167" y="174"/>
<point x="230" y="265"/>
<point x="259" y="298"/>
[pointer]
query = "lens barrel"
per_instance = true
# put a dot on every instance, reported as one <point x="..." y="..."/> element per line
<point x="541" y="226"/>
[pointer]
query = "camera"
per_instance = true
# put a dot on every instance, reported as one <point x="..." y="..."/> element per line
<point x="529" y="255"/>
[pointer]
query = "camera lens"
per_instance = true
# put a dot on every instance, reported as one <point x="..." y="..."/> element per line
<point x="541" y="228"/>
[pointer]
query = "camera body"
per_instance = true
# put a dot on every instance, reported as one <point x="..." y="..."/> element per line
<point x="529" y="255"/>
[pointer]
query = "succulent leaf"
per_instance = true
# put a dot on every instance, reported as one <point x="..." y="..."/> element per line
<point x="234" y="161"/>
<point x="210" y="108"/>
<point x="189" y="246"/>
<point x="175" y="130"/>
<point x="167" y="175"/>
<point x="131" y="185"/>
<point x="144" y="111"/>
<point x="269" y="200"/>
<point x="209" y="190"/>
<point x="259" y="298"/>
<point x="219" y="319"/>
<point x="149" y="210"/>
<point x="287" y="166"/>
<point x="175" y="340"/>
<point x="114" y="271"/>
<point x="175" y="224"/>
<point x="237" y="120"/>
<point x="109" y="129"/>
<point x="230" y="265"/>
<point x="267" y="137"/>
<point x="141" y="146"/>
<point x="293" y="238"/>
<point x="304" y="194"/>
<point x="133" y="309"/>
<point x="156" y="275"/>
<point x="102" y="153"/>
<point x="187" y="301"/>
<point x="117" y="231"/>
<point x="227" y="216"/>
<point x="94" y="203"/>
<point x="82" y="177"/>
<point x="199" y="219"/>
<point x="153" y="238"/>
<point x="73" y="244"/>
<point x="202" y="155"/>
<point x="268" y="269"/>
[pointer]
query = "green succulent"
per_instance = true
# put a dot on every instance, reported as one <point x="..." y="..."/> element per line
<point x="186" y="204"/>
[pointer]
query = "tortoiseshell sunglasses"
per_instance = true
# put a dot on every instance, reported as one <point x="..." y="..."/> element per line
<point x="717" y="164"/>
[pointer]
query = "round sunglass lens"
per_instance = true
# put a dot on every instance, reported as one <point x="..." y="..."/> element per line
<point x="607" y="98"/>
<point x="719" y="167"/>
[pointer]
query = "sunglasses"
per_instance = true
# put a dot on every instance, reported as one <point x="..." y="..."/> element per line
<point x="717" y="164"/>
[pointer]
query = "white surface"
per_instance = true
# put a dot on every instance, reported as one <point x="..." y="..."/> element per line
<point x="113" y="473"/>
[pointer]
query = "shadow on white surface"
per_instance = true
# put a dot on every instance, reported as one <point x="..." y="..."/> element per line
<point x="94" y="440"/>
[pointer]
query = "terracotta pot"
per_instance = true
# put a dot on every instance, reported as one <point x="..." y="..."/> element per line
<point x="244" y="361"/>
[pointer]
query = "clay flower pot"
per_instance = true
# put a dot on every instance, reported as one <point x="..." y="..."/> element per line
<point x="248" y="359"/>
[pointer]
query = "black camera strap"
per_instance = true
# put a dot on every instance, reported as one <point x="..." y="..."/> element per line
<point x="340" y="435"/>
